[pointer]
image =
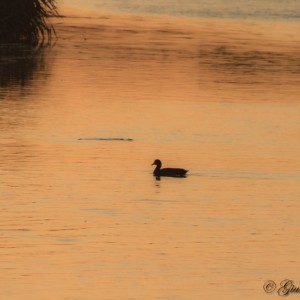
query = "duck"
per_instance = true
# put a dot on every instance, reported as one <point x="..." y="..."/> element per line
<point x="167" y="172"/>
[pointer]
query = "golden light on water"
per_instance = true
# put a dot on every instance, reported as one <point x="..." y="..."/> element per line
<point x="85" y="219"/>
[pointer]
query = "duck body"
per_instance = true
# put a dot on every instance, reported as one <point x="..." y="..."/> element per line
<point x="167" y="172"/>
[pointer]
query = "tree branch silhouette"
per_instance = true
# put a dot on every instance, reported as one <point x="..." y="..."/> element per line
<point x="26" y="21"/>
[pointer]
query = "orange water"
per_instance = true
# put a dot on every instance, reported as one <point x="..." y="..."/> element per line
<point x="84" y="219"/>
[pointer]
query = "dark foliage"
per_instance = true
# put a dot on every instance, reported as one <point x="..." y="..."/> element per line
<point x="26" y="21"/>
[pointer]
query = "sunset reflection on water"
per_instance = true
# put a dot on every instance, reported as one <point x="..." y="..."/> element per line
<point x="83" y="218"/>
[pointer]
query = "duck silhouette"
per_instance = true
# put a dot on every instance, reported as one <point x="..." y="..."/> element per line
<point x="167" y="172"/>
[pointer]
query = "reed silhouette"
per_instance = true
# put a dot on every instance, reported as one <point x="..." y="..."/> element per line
<point x="26" y="21"/>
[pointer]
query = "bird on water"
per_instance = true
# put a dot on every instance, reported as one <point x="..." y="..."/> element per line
<point x="168" y="172"/>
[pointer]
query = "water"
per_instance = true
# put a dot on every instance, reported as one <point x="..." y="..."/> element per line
<point x="288" y="10"/>
<point x="82" y="216"/>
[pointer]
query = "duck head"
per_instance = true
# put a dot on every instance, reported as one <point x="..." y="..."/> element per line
<point x="157" y="162"/>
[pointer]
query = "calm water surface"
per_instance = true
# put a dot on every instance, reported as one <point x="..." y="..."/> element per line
<point x="82" y="217"/>
<point x="288" y="10"/>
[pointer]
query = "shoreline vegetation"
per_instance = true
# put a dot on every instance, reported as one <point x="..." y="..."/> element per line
<point x="26" y="21"/>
